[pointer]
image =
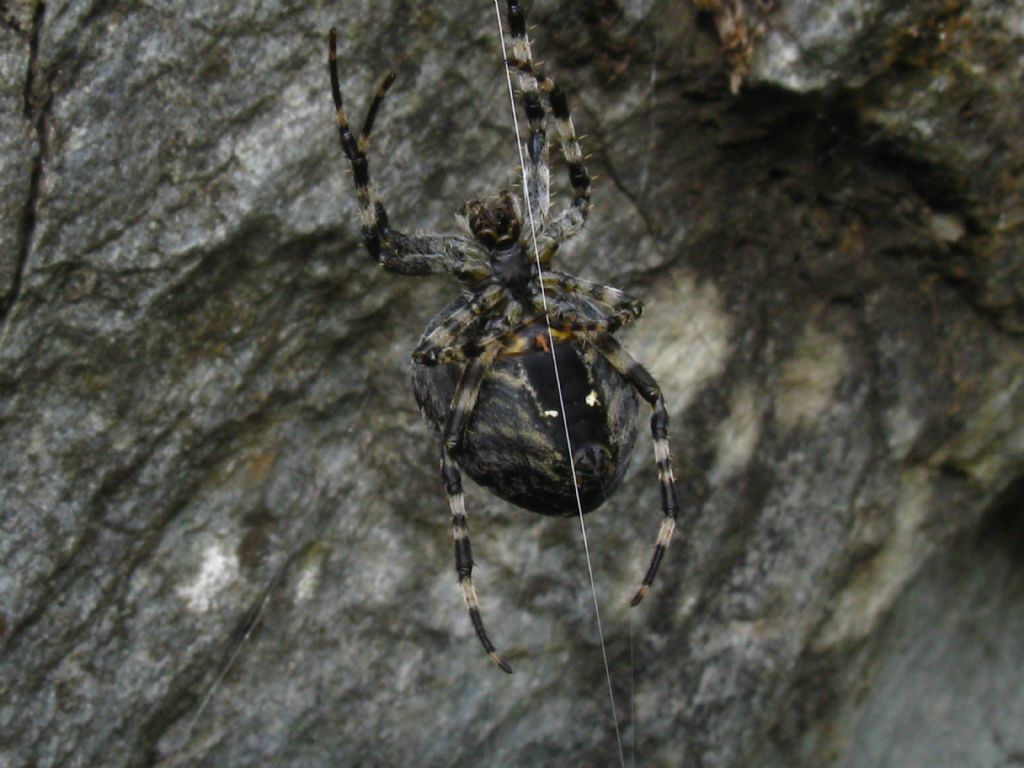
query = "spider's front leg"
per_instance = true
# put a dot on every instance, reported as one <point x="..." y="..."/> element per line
<point x="533" y="82"/>
<point x="649" y="390"/>
<point x="449" y="339"/>
<point x="538" y="176"/>
<point x="458" y="418"/>
<point x="391" y="249"/>
<point x="624" y="308"/>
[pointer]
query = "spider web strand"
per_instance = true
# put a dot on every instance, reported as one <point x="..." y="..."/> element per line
<point x="558" y="382"/>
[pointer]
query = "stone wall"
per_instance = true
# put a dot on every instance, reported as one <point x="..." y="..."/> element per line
<point x="205" y="414"/>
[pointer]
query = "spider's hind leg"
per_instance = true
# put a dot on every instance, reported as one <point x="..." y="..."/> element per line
<point x="458" y="417"/>
<point x="648" y="388"/>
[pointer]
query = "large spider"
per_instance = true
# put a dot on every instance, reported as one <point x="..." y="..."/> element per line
<point x="482" y="371"/>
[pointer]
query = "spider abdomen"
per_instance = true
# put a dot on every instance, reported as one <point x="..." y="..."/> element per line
<point x="515" y="441"/>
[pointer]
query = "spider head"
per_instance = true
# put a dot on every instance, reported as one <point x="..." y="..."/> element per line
<point x="494" y="221"/>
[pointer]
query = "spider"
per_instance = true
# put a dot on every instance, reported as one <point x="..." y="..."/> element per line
<point x="482" y="372"/>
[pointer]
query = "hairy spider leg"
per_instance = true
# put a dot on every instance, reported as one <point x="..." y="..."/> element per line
<point x="625" y="308"/>
<point x="561" y="312"/>
<point x="450" y="341"/>
<point x="571" y="220"/>
<point x="393" y="250"/>
<point x="649" y="390"/>
<point x="463" y="402"/>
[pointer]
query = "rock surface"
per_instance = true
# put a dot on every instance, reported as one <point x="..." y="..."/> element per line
<point x="205" y="412"/>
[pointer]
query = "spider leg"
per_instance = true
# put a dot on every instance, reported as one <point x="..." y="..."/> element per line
<point x="565" y="225"/>
<point x="600" y="310"/>
<point x="570" y="221"/>
<point x="392" y="250"/>
<point x="461" y="409"/>
<point x="447" y="342"/>
<point x="538" y="176"/>
<point x="625" y="308"/>
<point x="648" y="388"/>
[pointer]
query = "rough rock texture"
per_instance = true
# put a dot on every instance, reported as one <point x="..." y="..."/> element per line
<point x="205" y="412"/>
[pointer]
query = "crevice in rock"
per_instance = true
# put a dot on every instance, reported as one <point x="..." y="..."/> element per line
<point x="1003" y="522"/>
<point x="934" y="187"/>
<point x="36" y="104"/>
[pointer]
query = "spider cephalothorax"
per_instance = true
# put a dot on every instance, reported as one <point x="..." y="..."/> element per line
<point x="496" y="225"/>
<point x="482" y="371"/>
<point x="494" y="221"/>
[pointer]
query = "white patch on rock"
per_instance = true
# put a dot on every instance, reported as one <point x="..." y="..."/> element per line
<point x="737" y="436"/>
<point x="683" y="339"/>
<point x="991" y="443"/>
<point x="879" y="582"/>
<point x="809" y="378"/>
<point x="218" y="569"/>
<point x="551" y="414"/>
<point x="776" y="59"/>
<point x="903" y="428"/>
<point x="592" y="399"/>
<point x="305" y="588"/>
<point x="809" y="46"/>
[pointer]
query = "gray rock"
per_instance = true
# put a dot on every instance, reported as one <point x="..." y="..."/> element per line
<point x="812" y="46"/>
<point x="18" y="147"/>
<point x="225" y="540"/>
